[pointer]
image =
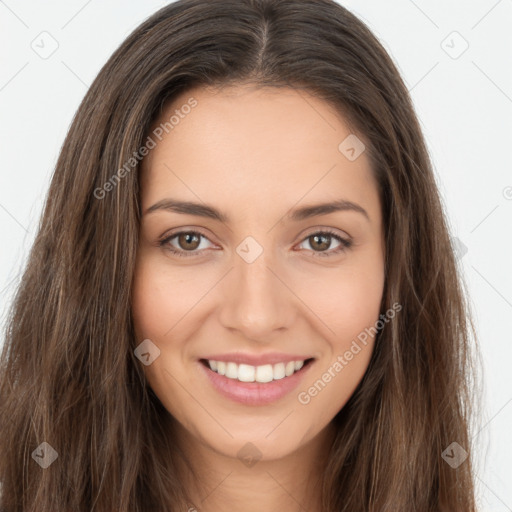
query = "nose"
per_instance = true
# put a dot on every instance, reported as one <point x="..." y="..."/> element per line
<point x="256" y="300"/>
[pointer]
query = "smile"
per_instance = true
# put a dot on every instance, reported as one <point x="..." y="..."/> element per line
<point x="255" y="384"/>
<point x="248" y="373"/>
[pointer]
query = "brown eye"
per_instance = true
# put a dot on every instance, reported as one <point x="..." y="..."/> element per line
<point x="189" y="240"/>
<point x="321" y="241"/>
<point x="185" y="243"/>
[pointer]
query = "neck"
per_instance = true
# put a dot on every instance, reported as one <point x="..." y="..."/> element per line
<point x="215" y="482"/>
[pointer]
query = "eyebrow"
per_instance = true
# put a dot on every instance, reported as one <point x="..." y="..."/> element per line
<point x="204" y="210"/>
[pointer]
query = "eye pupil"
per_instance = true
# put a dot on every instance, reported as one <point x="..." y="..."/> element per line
<point x="324" y="245"/>
<point x="185" y="238"/>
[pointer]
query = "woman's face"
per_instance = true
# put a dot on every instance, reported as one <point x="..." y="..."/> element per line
<point x="260" y="278"/>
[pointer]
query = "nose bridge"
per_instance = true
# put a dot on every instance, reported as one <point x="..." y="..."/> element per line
<point x="256" y="301"/>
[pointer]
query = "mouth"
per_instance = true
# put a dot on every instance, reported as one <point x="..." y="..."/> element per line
<point x="262" y="373"/>
<point x="254" y="385"/>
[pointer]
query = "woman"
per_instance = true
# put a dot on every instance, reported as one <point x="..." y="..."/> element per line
<point x="308" y="351"/>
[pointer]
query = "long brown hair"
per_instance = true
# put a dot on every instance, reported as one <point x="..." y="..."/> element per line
<point x="69" y="376"/>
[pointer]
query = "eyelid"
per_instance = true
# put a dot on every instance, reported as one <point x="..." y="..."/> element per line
<point x="323" y="229"/>
<point x="174" y="233"/>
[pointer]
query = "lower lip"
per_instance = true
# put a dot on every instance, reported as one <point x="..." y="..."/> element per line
<point x="255" y="393"/>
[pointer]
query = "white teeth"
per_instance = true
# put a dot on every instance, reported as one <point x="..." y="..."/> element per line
<point x="264" y="373"/>
<point x="279" y="372"/>
<point x="231" y="370"/>
<point x="248" y="373"/>
<point x="221" y="368"/>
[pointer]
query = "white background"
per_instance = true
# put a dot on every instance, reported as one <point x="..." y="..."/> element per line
<point x="464" y="103"/>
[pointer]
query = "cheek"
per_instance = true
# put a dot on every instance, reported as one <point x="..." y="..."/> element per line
<point x="155" y="311"/>
<point x="348" y="353"/>
<point x="160" y="298"/>
<point x="151" y="313"/>
<point x="347" y="301"/>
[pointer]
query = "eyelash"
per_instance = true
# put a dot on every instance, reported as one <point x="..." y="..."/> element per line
<point x="344" y="244"/>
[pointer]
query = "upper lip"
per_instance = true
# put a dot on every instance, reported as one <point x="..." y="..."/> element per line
<point x="257" y="360"/>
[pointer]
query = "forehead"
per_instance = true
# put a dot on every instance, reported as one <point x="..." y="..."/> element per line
<point x="243" y="145"/>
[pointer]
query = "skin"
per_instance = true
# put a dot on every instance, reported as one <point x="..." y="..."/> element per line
<point x="256" y="154"/>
